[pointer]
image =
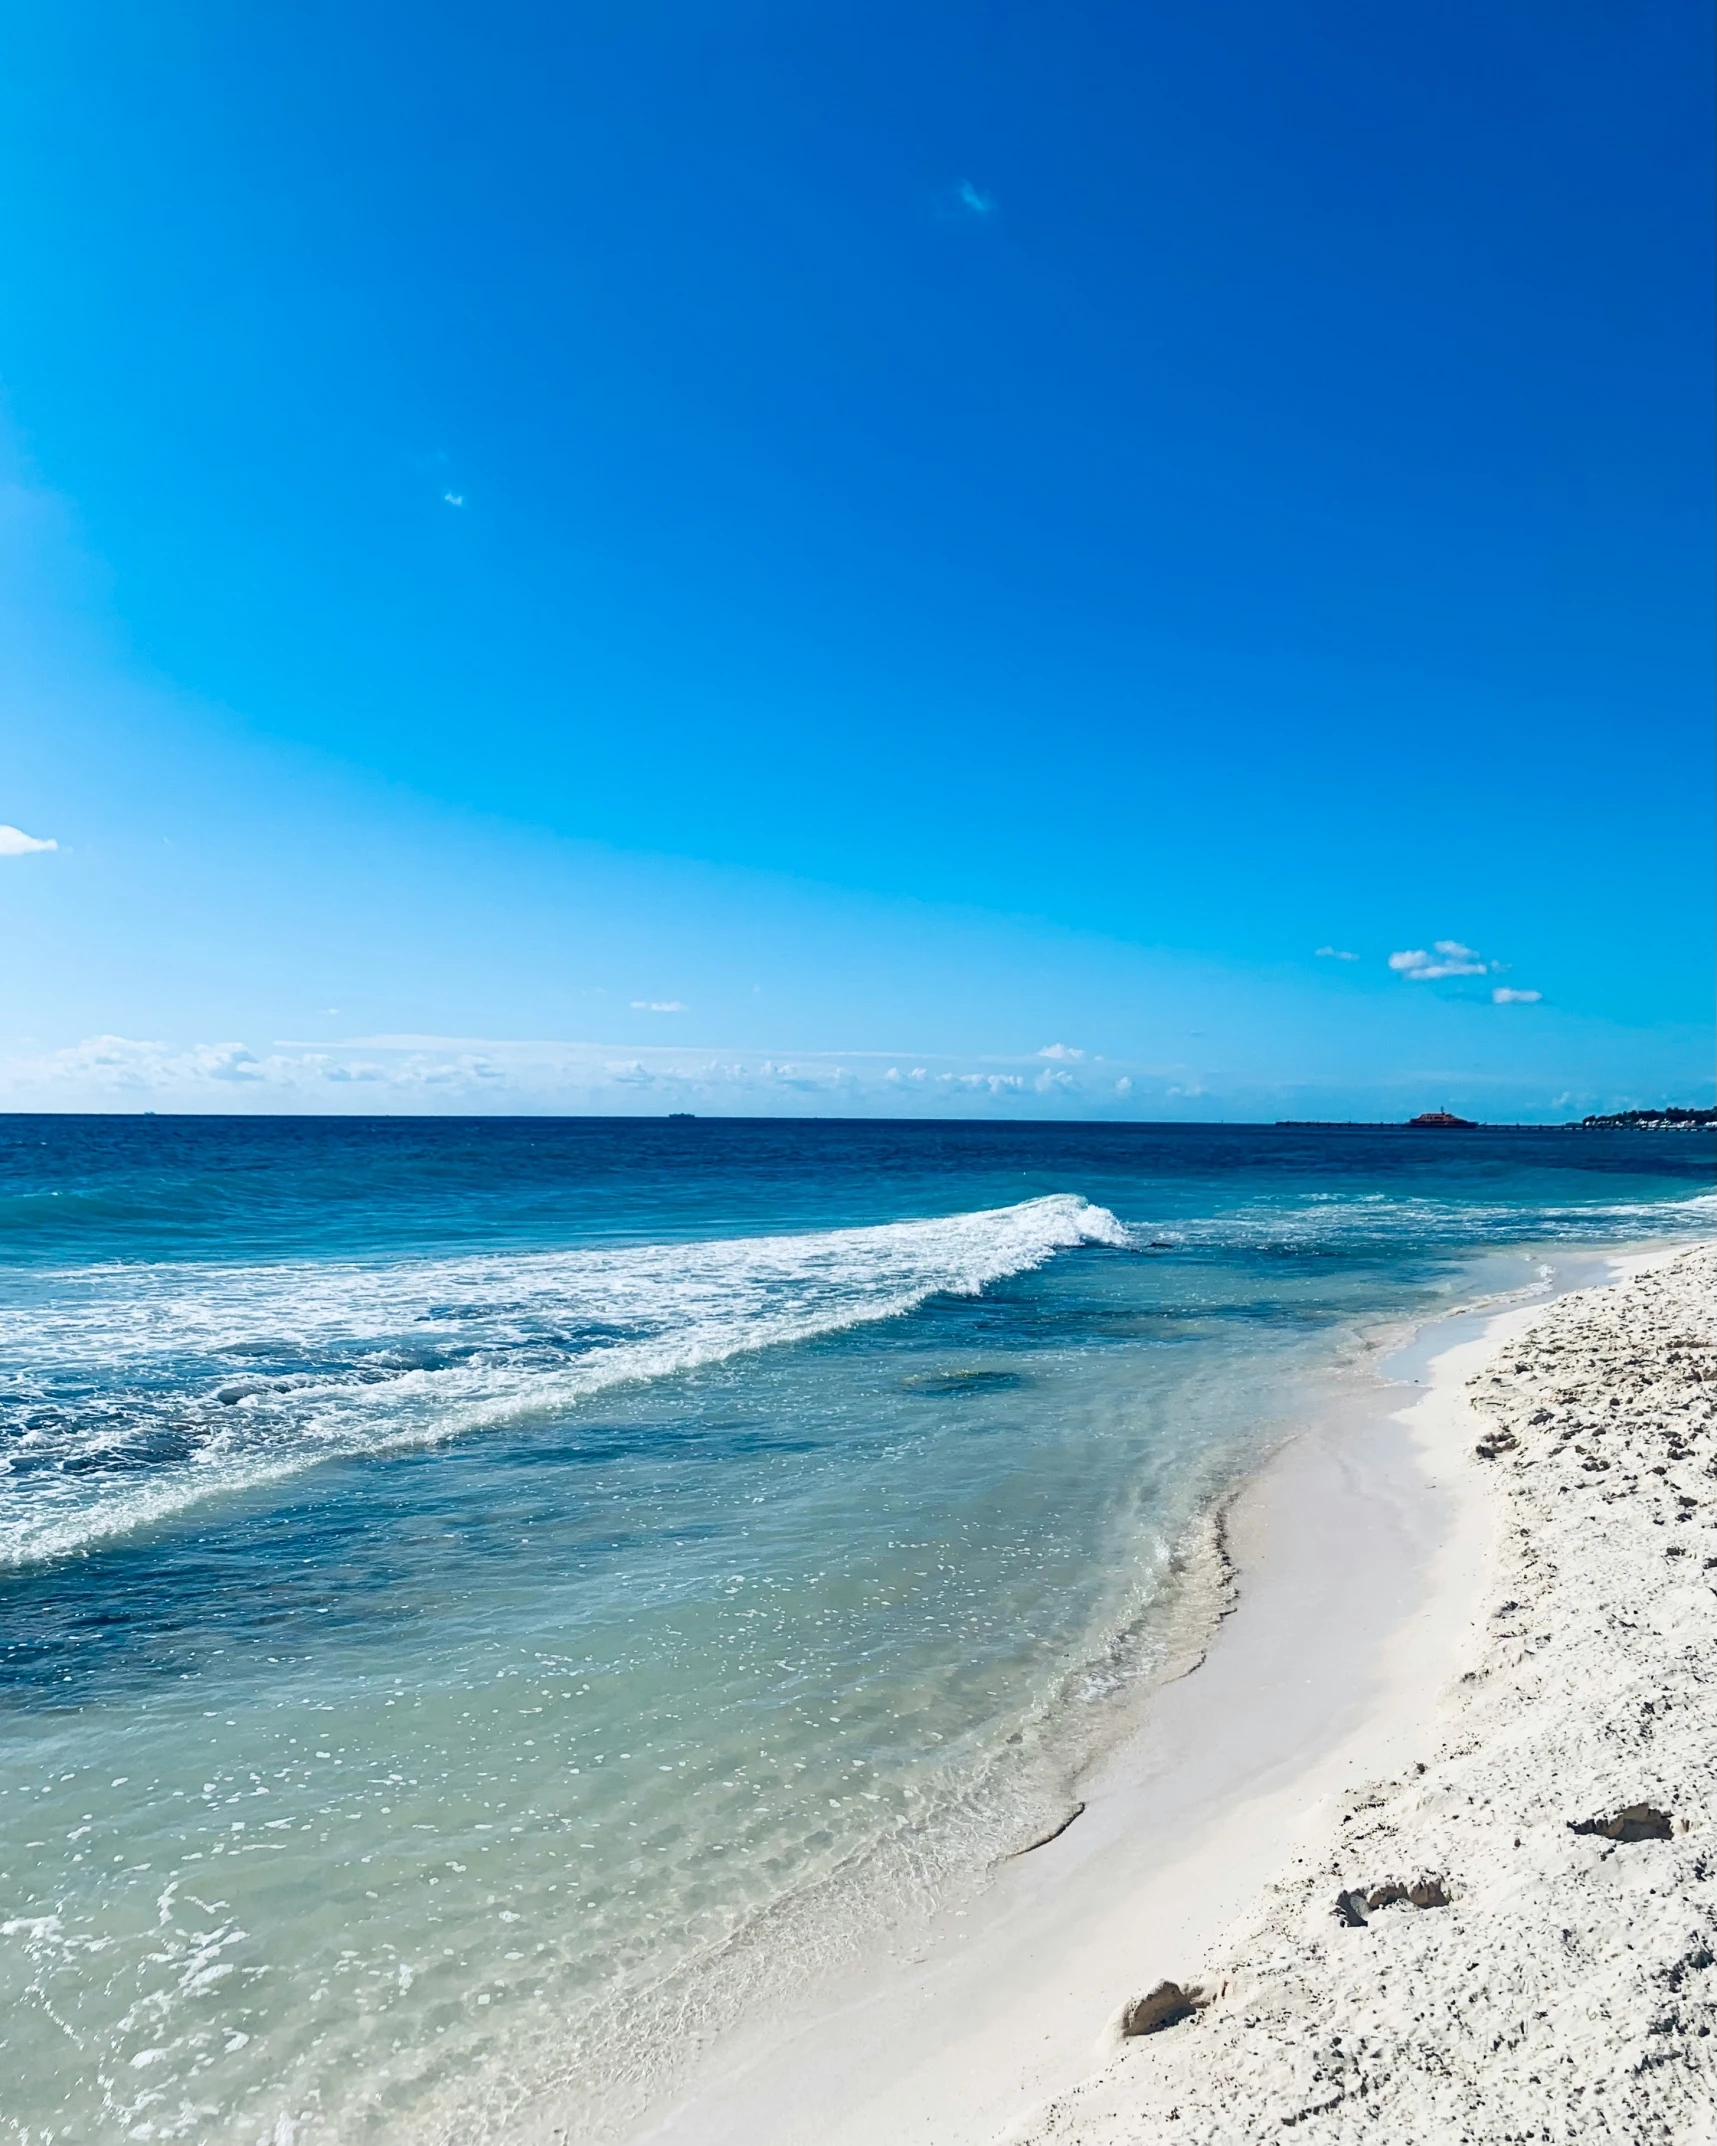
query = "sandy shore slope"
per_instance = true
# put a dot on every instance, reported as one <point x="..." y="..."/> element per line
<point x="1567" y="1990"/>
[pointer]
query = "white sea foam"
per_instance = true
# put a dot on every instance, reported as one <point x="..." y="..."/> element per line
<point x="1345" y="1221"/>
<point x="138" y="1391"/>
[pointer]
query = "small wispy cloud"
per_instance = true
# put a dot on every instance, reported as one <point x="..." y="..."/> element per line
<point x="657" y="1005"/>
<point x="1447" y="958"/>
<point x="965" y="201"/>
<point x="1503" y="995"/>
<point x="14" y="842"/>
<point x="1335" y="953"/>
<point x="1060" y="1050"/>
<point x="454" y="499"/>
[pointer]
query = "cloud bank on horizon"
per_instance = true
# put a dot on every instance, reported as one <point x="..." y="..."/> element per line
<point x="459" y="1075"/>
<point x="454" y="1074"/>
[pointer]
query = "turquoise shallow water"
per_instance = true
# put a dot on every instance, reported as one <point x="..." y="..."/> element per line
<point x="482" y="1603"/>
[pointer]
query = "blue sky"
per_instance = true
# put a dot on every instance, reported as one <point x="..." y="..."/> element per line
<point x="765" y="558"/>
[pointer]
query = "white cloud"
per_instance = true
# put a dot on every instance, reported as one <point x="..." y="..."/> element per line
<point x="1060" y="1050"/>
<point x="657" y="1005"/>
<point x="1124" y="1086"/>
<point x="1335" y="953"/>
<point x="454" y="499"/>
<point x="14" y="842"/>
<point x="979" y="204"/>
<point x="118" y="1062"/>
<point x="1449" y="958"/>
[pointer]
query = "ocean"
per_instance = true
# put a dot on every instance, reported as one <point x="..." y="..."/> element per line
<point x="487" y="1604"/>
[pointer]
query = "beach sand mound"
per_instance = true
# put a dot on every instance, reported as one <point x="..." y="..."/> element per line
<point x="1518" y="1940"/>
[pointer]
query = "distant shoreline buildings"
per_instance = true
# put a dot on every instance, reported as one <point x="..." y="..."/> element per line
<point x="1671" y="1119"/>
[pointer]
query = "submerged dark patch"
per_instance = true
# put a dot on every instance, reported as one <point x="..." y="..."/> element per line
<point x="954" y="1384"/>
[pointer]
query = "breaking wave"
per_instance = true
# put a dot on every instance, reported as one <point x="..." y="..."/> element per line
<point x="137" y="1391"/>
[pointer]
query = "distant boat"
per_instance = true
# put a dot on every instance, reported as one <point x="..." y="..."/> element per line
<point x="673" y="1114"/>
<point x="1443" y="1118"/>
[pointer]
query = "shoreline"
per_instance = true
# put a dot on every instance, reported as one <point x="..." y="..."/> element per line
<point x="1362" y="1550"/>
<point x="1558" y="1823"/>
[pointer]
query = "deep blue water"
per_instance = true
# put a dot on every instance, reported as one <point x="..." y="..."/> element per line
<point x="85" y="1189"/>
<point x="521" y="1560"/>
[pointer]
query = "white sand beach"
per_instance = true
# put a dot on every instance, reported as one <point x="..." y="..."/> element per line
<point x="1460" y="1636"/>
<point x="1564" y="1807"/>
